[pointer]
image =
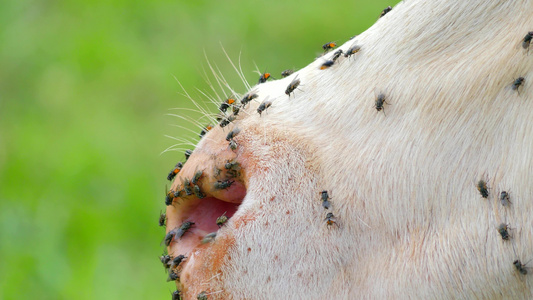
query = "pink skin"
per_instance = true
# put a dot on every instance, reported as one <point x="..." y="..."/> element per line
<point x="204" y="212"/>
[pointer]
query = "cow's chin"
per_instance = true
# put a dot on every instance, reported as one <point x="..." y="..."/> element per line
<point x="205" y="257"/>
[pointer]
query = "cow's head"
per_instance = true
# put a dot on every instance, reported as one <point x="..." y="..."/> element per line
<point x="357" y="176"/>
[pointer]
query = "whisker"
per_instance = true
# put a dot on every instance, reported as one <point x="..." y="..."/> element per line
<point x="203" y="109"/>
<point x="233" y="92"/>
<point x="214" y="75"/>
<point x="215" y="292"/>
<point x="221" y="81"/>
<point x="248" y="87"/>
<point x="257" y="69"/>
<point x="213" y="100"/>
<point x="193" y="110"/>
<point x="182" y="140"/>
<point x="185" y="128"/>
<point x="190" y="98"/>
<point x="188" y="120"/>
<point x="172" y="148"/>
<point x="186" y="142"/>
<point x="241" y="75"/>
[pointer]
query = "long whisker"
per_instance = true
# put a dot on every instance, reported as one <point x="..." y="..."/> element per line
<point x="216" y="77"/>
<point x="185" y="128"/>
<point x="204" y="110"/>
<point x="257" y="69"/>
<point x="193" y="110"/>
<point x="190" y="98"/>
<point x="233" y="92"/>
<point x="241" y="75"/>
<point x="172" y="148"/>
<point x="214" y="100"/>
<point x="248" y="87"/>
<point x="184" y="141"/>
<point x="188" y="120"/>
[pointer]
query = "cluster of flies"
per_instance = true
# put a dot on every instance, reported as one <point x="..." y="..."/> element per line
<point x="193" y="186"/>
<point x="189" y="187"/>
<point x="503" y="229"/>
<point x="172" y="264"/>
<point x="380" y="101"/>
<point x="504" y="197"/>
<point x="224" y="119"/>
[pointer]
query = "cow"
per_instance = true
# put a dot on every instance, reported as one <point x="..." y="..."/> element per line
<point x="401" y="167"/>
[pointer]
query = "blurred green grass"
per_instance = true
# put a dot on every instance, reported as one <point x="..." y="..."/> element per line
<point x="85" y="87"/>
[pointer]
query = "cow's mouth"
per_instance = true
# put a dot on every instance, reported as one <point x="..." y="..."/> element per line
<point x="204" y="212"/>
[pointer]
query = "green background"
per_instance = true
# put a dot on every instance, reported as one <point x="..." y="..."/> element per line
<point x="85" y="89"/>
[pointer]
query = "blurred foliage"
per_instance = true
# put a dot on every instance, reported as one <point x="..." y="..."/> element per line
<point x="85" y="89"/>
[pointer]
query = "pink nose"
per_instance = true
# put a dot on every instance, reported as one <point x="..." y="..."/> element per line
<point x="208" y="191"/>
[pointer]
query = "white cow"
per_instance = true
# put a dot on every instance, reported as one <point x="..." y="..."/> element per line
<point x="407" y="218"/>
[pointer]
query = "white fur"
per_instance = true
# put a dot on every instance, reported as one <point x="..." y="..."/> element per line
<point x="411" y="223"/>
